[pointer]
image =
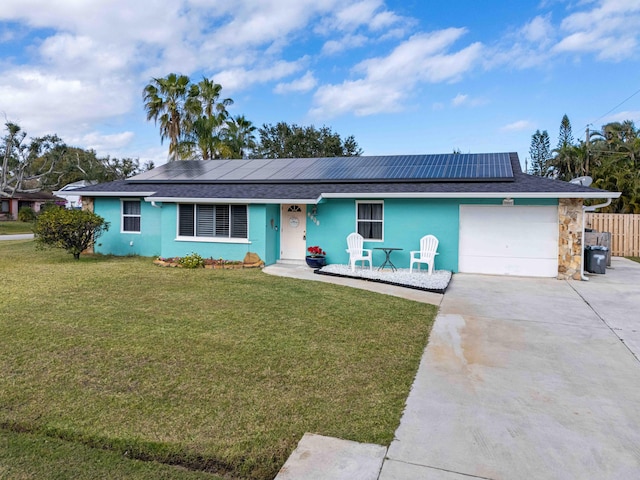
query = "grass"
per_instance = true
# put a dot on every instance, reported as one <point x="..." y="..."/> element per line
<point x="28" y="456"/>
<point x="215" y="370"/>
<point x="635" y="259"/>
<point x="11" y="227"/>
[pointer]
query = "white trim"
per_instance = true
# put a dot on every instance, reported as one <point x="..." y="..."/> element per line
<point x="373" y="195"/>
<point x="238" y="201"/>
<point x="113" y="194"/>
<point x="213" y="240"/>
<point x="365" y="195"/>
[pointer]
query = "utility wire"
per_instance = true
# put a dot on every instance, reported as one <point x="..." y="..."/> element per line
<point x="621" y="103"/>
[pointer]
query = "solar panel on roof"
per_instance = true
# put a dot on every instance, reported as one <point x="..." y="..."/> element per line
<point x="449" y="167"/>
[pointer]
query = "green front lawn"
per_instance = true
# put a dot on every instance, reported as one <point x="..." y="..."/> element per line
<point x="30" y="456"/>
<point x="10" y="227"/>
<point x="214" y="370"/>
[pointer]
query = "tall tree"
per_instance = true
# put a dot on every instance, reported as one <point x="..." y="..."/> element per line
<point x="293" y="141"/>
<point x="167" y="102"/>
<point x="240" y="136"/>
<point x="615" y="164"/>
<point x="567" y="159"/>
<point x="205" y="124"/>
<point x="565" y="135"/>
<point x="540" y="153"/>
<point x="26" y="163"/>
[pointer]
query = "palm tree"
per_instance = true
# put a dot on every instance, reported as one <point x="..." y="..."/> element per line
<point x="240" y="136"/>
<point x="205" y="121"/>
<point x="166" y="100"/>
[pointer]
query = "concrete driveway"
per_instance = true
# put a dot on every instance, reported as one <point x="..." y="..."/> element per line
<point x="527" y="379"/>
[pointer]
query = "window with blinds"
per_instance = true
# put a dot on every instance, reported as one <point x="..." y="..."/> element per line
<point x="370" y="220"/>
<point x="131" y="216"/>
<point x="214" y="221"/>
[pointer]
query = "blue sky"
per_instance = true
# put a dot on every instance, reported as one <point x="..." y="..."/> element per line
<point x="403" y="77"/>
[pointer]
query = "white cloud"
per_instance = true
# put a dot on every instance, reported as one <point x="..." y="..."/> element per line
<point x="243" y="78"/>
<point x="517" y="126"/>
<point x="539" y="30"/>
<point x="633" y="115"/>
<point x="610" y="30"/>
<point x="331" y="47"/>
<point x="103" y="144"/>
<point x="302" y="84"/>
<point x="464" y="100"/>
<point x="388" y="81"/>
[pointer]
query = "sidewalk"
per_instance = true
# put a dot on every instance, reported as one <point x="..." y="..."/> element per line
<point x="20" y="236"/>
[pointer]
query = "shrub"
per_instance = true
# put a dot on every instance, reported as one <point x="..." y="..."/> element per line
<point x="192" y="260"/>
<point x="26" y="214"/>
<point x="73" y="230"/>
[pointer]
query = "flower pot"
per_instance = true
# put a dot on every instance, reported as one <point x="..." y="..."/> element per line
<point x="316" y="262"/>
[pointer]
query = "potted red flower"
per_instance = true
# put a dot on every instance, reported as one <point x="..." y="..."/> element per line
<point x="316" y="257"/>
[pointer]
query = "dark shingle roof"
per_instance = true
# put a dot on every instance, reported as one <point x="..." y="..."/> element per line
<point x="521" y="184"/>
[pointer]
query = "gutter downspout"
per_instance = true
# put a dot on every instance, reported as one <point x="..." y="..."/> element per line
<point x="154" y="204"/>
<point x="590" y="208"/>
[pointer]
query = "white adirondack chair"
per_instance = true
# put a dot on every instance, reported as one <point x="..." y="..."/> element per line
<point x="355" y="241"/>
<point x="426" y="254"/>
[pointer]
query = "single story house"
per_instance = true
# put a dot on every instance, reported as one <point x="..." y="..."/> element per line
<point x="11" y="205"/>
<point x="488" y="215"/>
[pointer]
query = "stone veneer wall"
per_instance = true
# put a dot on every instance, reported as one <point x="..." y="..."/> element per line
<point x="570" y="238"/>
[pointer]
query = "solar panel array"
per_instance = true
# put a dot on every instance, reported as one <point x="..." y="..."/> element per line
<point x="450" y="167"/>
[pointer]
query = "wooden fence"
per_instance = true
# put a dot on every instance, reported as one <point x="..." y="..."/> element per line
<point x="624" y="229"/>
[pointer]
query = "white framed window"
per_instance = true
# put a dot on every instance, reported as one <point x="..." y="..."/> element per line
<point x="370" y="219"/>
<point x="214" y="221"/>
<point x="4" y="206"/>
<point x="131" y="216"/>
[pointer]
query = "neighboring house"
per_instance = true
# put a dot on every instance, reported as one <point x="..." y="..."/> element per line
<point x="10" y="206"/>
<point x="488" y="215"/>
<point x="72" y="199"/>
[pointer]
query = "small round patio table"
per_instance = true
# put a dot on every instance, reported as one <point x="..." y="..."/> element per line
<point x="387" y="262"/>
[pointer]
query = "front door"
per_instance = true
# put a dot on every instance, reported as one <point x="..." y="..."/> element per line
<point x="293" y="232"/>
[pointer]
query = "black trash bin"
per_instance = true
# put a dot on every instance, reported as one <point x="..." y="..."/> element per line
<point x="595" y="259"/>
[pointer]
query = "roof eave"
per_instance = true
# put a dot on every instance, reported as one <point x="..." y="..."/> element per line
<point x="303" y="201"/>
<point x="112" y="194"/>
<point x="474" y="195"/>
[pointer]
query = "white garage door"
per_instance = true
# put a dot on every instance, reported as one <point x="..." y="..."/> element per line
<point x="509" y="240"/>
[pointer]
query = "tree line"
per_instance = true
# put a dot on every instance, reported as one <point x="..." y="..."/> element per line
<point x="193" y="117"/>
<point x="46" y="163"/>
<point x="611" y="156"/>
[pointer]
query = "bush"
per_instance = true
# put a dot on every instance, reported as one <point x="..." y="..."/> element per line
<point x="26" y="214"/>
<point x="73" y="230"/>
<point x="192" y="261"/>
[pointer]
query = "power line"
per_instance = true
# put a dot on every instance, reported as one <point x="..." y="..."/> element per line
<point x="621" y="103"/>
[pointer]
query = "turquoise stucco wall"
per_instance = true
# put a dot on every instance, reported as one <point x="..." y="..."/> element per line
<point x="272" y="235"/>
<point x="114" y="242"/>
<point x="405" y="222"/>
<point x="171" y="247"/>
<point x="159" y="230"/>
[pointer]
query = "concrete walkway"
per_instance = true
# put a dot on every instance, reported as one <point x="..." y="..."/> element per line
<point x="303" y="272"/>
<point x="522" y="378"/>
<point x="20" y="236"/>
